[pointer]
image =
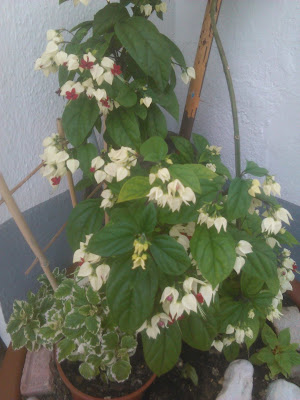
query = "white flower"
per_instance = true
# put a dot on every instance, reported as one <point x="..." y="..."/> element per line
<point x="155" y="193"/>
<point x="97" y="163"/>
<point x="218" y="345"/>
<point x="229" y="329"/>
<point x="73" y="165"/>
<point x="163" y="174"/>
<point x="239" y="335"/>
<point x="85" y="2"/>
<point x="219" y="223"/>
<point x="61" y="58"/>
<point x="184" y="241"/>
<point x="85" y="270"/>
<point x="73" y="62"/>
<point x="189" y="302"/>
<point x="162" y="7"/>
<point x="146" y="101"/>
<point x="249" y="333"/>
<point x="208" y="292"/>
<point x="270" y="225"/>
<point x="100" y="94"/>
<point x="255" y="203"/>
<point x="97" y="73"/>
<point x="270" y="186"/>
<point x="214" y="149"/>
<point x="243" y="248"/>
<point x="169" y="294"/>
<point x="51" y="34"/>
<point x="188" y="195"/>
<point x="212" y="167"/>
<point x="108" y="199"/>
<point x="254" y="188"/>
<point x="175" y="309"/>
<point x="107" y="63"/>
<point x="239" y="263"/>
<point x="251" y="314"/>
<point x="272" y="242"/>
<point x="283" y="215"/>
<point x="100" y="176"/>
<point x="69" y="86"/>
<point x="61" y="156"/>
<point x="187" y="75"/>
<point x="122" y="173"/>
<point x="288" y="263"/>
<point x="146" y="9"/>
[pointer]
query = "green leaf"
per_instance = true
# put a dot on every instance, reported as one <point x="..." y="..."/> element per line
<point x="65" y="348"/>
<point x="262" y="264"/>
<point x="269" y="337"/>
<point x="198" y="332"/>
<point x="169" y="255"/>
<point x="18" y="339"/>
<point x="162" y="353"/>
<point x="126" y="97"/>
<point x="189" y="372"/>
<point x="112" y="240"/>
<point x="231" y="352"/>
<point x="130" y="293"/>
<point x="184" y="147"/>
<point x="110" y="341"/>
<point x="239" y="199"/>
<point x="284" y="337"/>
<point x="155" y="123"/>
<point x="74" y="320"/>
<point x="13" y="325"/>
<point x="107" y="17"/>
<point x="287" y="238"/>
<point x="31" y="330"/>
<point x="154" y="149"/>
<point x="64" y="289"/>
<point x="84" y="183"/>
<point x="167" y="100"/>
<point x="88" y="370"/>
<point x="184" y="215"/>
<point x="121" y="370"/>
<point x="200" y="142"/>
<point x="85" y="218"/>
<point x="128" y="342"/>
<point x="254" y="325"/>
<point x="92" y="296"/>
<point x="140" y="111"/>
<point x="92" y="324"/>
<point x="250" y="286"/>
<point x="265" y="355"/>
<point x="135" y="188"/>
<point x="63" y="75"/>
<point x="253" y="169"/>
<point x="79" y="118"/>
<point x="175" y="52"/>
<point x="143" y="42"/>
<point x="186" y="176"/>
<point x="214" y="253"/>
<point x="122" y="126"/>
<point x="85" y="154"/>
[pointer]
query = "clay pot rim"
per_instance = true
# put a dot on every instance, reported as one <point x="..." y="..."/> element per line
<point x="77" y="392"/>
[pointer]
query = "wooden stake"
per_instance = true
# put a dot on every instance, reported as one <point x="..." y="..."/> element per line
<point x="13" y="190"/>
<point x="200" y="64"/>
<point x="69" y="174"/>
<point x="58" y="233"/>
<point x="25" y="230"/>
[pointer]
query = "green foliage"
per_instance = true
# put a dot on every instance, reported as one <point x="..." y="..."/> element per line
<point x="154" y="149"/>
<point x="135" y="188"/>
<point x="238" y="199"/>
<point x="143" y="42"/>
<point x="189" y="372"/>
<point x="85" y="218"/>
<point x="279" y="355"/>
<point x="162" y="353"/>
<point x="122" y="126"/>
<point x="214" y="253"/>
<point x="79" y="118"/>
<point x="106" y="18"/>
<point x="155" y="123"/>
<point x="253" y="169"/>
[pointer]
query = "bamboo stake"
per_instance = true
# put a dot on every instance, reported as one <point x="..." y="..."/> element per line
<point x="69" y="174"/>
<point x="12" y="191"/>
<point x="200" y="64"/>
<point x="230" y="90"/>
<point x="58" y="233"/>
<point x="25" y="230"/>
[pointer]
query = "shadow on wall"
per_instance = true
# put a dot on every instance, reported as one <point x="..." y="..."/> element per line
<point x="44" y="220"/>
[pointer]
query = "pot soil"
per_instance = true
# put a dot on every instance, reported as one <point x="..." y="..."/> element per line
<point x="140" y="379"/>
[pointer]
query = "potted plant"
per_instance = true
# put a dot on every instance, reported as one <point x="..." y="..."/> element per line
<point x="189" y="253"/>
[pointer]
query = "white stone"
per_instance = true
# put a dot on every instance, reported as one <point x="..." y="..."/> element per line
<point x="290" y="319"/>
<point x="238" y="381"/>
<point x="283" y="390"/>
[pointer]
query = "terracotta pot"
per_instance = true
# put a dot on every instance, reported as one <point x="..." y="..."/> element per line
<point x="78" y="395"/>
<point x="11" y="373"/>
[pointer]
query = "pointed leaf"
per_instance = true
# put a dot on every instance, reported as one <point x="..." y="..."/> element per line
<point x="123" y="128"/>
<point x="135" y="188"/>
<point x="239" y="199"/>
<point x="154" y="149"/>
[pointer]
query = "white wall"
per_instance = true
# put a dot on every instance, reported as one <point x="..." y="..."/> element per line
<point x="261" y="38"/>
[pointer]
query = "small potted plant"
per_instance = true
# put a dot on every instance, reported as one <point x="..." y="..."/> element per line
<point x="189" y="253"/>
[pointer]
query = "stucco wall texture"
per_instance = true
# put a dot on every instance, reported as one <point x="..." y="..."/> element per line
<point x="261" y="38"/>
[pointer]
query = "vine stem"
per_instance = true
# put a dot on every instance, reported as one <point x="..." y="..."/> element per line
<point x="230" y="89"/>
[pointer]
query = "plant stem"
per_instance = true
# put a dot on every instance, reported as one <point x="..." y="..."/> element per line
<point x="230" y="89"/>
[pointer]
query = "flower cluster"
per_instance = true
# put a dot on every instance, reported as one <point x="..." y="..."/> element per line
<point x="109" y="199"/>
<point x="121" y="162"/>
<point x="239" y="334"/>
<point x="139" y="256"/>
<point x="160" y="320"/>
<point x="187" y="75"/>
<point x="273" y="221"/>
<point x="211" y="219"/>
<point x="270" y="186"/>
<point x="243" y="248"/>
<point x="255" y="188"/>
<point x="56" y="160"/>
<point x="47" y="62"/>
<point x="176" y="193"/>
<point x="147" y="8"/>
<point x="91" y="266"/>
<point x="183" y="233"/>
